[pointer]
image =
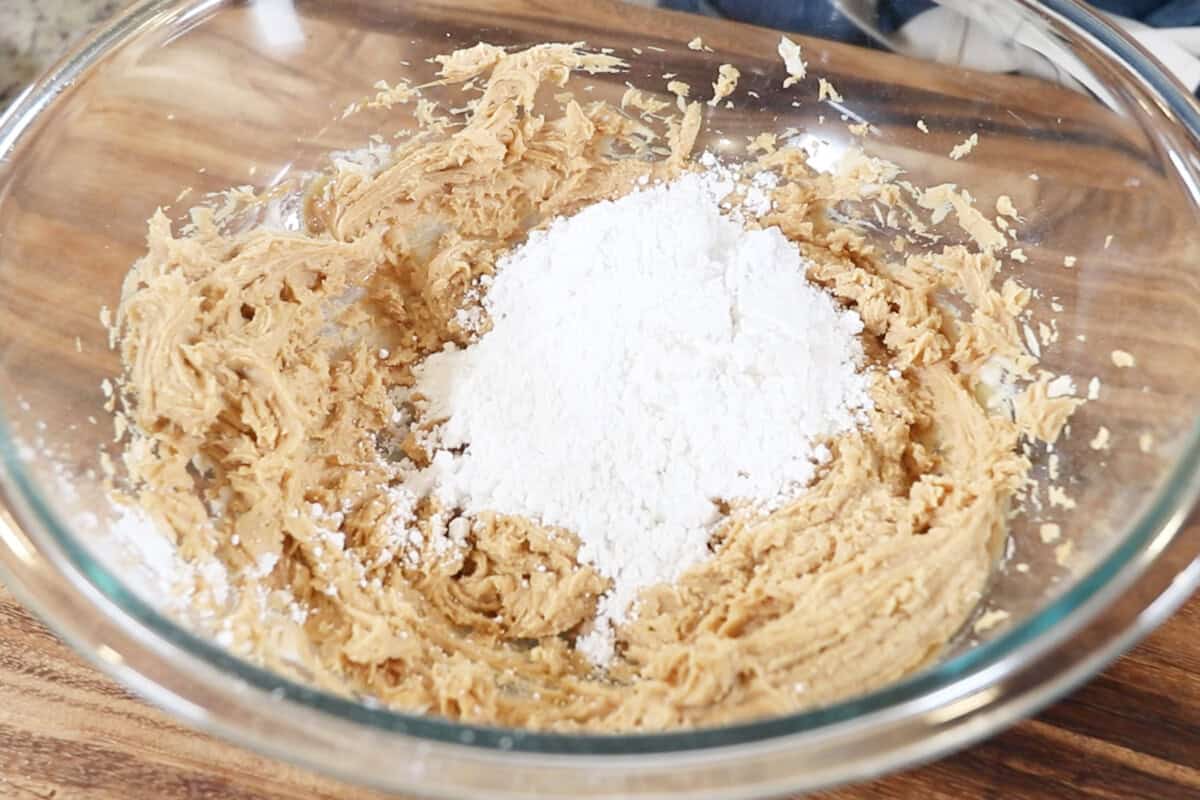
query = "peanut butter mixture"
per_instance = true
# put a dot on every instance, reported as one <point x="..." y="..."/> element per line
<point x="261" y="427"/>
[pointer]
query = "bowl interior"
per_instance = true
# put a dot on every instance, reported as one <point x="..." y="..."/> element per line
<point x="207" y="96"/>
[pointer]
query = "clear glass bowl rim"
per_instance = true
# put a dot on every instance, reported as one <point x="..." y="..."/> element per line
<point x="989" y="661"/>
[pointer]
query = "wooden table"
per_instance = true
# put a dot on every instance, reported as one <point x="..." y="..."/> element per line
<point x="68" y="732"/>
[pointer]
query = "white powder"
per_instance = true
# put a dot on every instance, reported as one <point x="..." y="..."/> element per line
<point x="647" y="357"/>
<point x="132" y="545"/>
<point x="149" y="554"/>
<point x="124" y="538"/>
<point x="720" y="180"/>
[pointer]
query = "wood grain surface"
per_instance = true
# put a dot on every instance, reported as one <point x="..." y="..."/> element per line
<point x="67" y="732"/>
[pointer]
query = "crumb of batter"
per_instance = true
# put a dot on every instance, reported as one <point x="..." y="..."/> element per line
<point x="681" y="91"/>
<point x="793" y="61"/>
<point x="990" y="620"/>
<point x="963" y="149"/>
<point x="1122" y="359"/>
<point x="386" y="96"/>
<point x="643" y="101"/>
<point x="1059" y="498"/>
<point x="262" y="366"/>
<point x="764" y="142"/>
<point x="727" y="79"/>
<point x="945" y="197"/>
<point x="825" y="91"/>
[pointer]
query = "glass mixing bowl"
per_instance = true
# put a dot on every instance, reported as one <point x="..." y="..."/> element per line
<point x="1102" y="162"/>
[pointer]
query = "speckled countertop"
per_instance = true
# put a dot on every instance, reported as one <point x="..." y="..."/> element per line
<point x="33" y="33"/>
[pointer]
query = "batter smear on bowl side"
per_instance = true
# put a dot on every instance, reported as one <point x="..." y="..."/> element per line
<point x="542" y="419"/>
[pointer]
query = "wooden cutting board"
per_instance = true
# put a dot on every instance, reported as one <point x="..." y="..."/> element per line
<point x="67" y="733"/>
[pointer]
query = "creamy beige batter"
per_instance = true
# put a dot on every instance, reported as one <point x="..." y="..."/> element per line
<point x="257" y="399"/>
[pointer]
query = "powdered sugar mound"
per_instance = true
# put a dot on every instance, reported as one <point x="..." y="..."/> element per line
<point x="647" y="357"/>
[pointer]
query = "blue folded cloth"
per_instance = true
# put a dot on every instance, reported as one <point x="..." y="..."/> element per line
<point x="821" y="17"/>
